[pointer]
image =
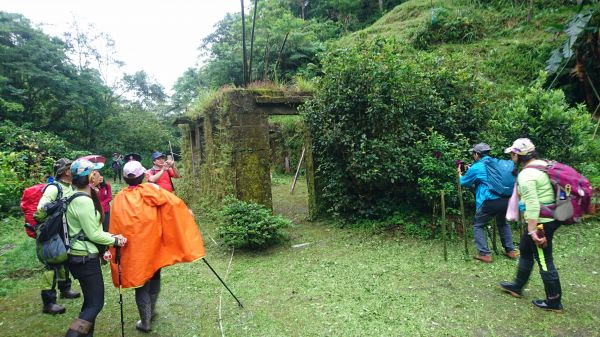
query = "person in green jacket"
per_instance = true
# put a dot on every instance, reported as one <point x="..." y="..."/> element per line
<point x="56" y="273"/>
<point x="534" y="188"/>
<point x="84" y="222"/>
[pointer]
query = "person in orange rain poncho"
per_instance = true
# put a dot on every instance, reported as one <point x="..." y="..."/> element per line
<point x="161" y="231"/>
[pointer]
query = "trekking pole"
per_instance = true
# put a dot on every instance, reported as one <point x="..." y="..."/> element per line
<point x="219" y="277"/>
<point x="494" y="240"/>
<point x="443" y="206"/>
<point x="118" y="261"/>
<point x="462" y="213"/>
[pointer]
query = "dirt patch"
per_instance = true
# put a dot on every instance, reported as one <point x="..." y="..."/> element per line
<point x="6" y="248"/>
<point x="22" y="273"/>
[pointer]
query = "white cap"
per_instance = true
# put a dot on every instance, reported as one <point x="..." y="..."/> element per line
<point x="133" y="169"/>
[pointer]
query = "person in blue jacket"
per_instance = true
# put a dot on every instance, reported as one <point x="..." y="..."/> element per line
<point x="488" y="205"/>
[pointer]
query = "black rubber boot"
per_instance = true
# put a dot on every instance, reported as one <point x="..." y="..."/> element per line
<point x="50" y="306"/>
<point x="154" y="291"/>
<point x="515" y="288"/>
<point x="80" y="328"/>
<point x="144" y="304"/>
<point x="65" y="289"/>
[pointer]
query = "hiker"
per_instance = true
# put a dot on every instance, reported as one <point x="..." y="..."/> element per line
<point x="535" y="188"/>
<point x="56" y="273"/>
<point x="162" y="171"/>
<point x="161" y="232"/>
<point x="104" y="192"/>
<point x="117" y="164"/>
<point x="488" y="204"/>
<point x="84" y="217"/>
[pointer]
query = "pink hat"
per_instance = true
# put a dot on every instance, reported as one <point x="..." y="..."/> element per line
<point x="133" y="169"/>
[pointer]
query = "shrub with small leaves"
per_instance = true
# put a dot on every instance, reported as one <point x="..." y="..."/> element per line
<point x="249" y="225"/>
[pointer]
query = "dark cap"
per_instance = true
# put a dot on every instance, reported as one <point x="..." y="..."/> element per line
<point x="480" y="148"/>
<point x="157" y="155"/>
<point x="60" y="166"/>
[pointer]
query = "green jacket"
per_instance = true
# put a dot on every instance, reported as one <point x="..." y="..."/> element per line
<point x="82" y="218"/>
<point x="535" y="189"/>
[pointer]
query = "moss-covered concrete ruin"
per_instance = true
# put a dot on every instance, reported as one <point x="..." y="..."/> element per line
<point x="226" y="145"/>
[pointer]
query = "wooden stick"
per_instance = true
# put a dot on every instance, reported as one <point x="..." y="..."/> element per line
<point x="462" y="213"/>
<point x="297" y="171"/>
<point x="443" y="224"/>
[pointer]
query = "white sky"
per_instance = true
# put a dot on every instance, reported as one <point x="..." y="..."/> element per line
<point x="160" y="37"/>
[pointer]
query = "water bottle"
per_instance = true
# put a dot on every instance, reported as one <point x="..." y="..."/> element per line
<point x="562" y="195"/>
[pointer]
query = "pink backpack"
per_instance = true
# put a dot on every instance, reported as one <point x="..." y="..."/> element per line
<point x="573" y="193"/>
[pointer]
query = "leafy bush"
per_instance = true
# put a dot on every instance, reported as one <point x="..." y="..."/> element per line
<point x="371" y="108"/>
<point x="249" y="225"/>
<point x="448" y="27"/>
<point x="25" y="156"/>
<point x="559" y="132"/>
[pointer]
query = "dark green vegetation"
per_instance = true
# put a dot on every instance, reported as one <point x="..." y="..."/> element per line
<point x="388" y="120"/>
<point x="249" y="225"/>
<point x="342" y="283"/>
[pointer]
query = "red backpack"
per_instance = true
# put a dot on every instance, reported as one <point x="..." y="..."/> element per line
<point x="573" y="193"/>
<point x="29" y="202"/>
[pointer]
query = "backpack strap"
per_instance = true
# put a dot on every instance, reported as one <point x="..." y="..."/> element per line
<point x="58" y="187"/>
<point x="79" y="236"/>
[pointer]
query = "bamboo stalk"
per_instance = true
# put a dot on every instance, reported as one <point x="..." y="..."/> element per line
<point x="443" y="224"/>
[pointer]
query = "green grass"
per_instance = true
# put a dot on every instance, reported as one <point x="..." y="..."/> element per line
<point x="343" y="283"/>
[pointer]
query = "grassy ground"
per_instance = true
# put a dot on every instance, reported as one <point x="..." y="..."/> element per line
<point x="342" y="283"/>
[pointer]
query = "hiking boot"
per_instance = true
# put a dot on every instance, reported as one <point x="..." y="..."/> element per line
<point x="70" y="293"/>
<point x="80" y="328"/>
<point x="513" y="255"/>
<point x="143" y="326"/>
<point x="483" y="258"/>
<point x="50" y="306"/>
<point x="511" y="288"/>
<point x="548" y="305"/>
<point x="53" y="309"/>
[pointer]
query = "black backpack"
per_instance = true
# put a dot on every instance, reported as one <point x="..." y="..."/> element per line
<point x="52" y="241"/>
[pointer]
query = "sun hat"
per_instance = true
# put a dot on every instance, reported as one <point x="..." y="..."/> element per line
<point x="133" y="156"/>
<point x="83" y="167"/>
<point x="521" y="146"/>
<point x="133" y="169"/>
<point x="157" y="155"/>
<point x="479" y="148"/>
<point x="60" y="166"/>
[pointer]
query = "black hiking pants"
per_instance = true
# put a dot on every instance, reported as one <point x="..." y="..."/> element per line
<point x="89" y="275"/>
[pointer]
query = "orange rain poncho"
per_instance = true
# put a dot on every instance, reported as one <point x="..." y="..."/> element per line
<point x="160" y="232"/>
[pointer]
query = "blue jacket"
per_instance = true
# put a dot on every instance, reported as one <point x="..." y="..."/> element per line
<point x="477" y="175"/>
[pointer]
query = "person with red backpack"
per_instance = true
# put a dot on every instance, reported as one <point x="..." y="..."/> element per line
<point x="162" y="171"/>
<point x="536" y="191"/>
<point x="54" y="274"/>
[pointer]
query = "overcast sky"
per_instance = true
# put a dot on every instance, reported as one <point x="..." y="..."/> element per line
<point x="158" y="36"/>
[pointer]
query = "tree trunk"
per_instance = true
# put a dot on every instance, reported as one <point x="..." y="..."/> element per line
<point x="381" y="5"/>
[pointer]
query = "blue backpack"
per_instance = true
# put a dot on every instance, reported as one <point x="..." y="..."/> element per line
<point x="501" y="180"/>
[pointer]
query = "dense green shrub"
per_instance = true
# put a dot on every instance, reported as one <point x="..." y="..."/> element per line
<point x="448" y="27"/>
<point x="560" y="132"/>
<point x="25" y="157"/>
<point x="249" y="225"/>
<point x="371" y="122"/>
